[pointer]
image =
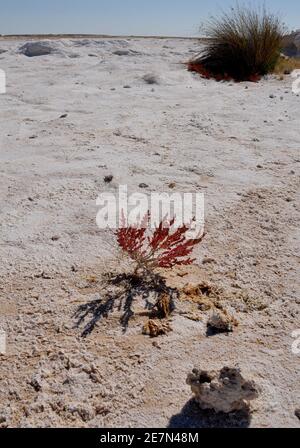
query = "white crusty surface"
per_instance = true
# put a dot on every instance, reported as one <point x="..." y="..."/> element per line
<point x="238" y="143"/>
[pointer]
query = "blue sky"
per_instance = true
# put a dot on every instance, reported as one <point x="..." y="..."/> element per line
<point x="144" y="17"/>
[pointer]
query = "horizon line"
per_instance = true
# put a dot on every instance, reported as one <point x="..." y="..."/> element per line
<point x="74" y="35"/>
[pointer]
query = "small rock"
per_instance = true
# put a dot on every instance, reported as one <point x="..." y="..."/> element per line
<point x="154" y="328"/>
<point x="32" y="49"/>
<point x="55" y="238"/>
<point x="208" y="260"/>
<point x="63" y="116"/>
<point x="143" y="185"/>
<point x="121" y="52"/>
<point x="36" y="383"/>
<point x="108" y="179"/>
<point x="221" y="321"/>
<point x="150" y="78"/>
<point x="126" y="86"/>
<point x="222" y="391"/>
<point x="271" y="96"/>
<point x="86" y="413"/>
<point x="43" y="275"/>
<point x="4" y="419"/>
<point x="102" y="410"/>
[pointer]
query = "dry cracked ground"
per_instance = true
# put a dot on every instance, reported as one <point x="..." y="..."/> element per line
<point x="76" y="355"/>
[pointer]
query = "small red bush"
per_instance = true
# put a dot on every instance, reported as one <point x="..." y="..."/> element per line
<point x="164" y="248"/>
<point x="197" y="67"/>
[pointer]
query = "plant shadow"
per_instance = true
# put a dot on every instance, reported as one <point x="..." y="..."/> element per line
<point x="191" y="416"/>
<point x="124" y="290"/>
<point x="211" y="331"/>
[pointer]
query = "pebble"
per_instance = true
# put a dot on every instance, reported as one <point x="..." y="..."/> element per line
<point x="55" y="238"/>
<point x="36" y="383"/>
<point x="108" y="179"/>
<point x="208" y="260"/>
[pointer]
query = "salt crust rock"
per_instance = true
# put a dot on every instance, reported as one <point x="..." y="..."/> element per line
<point x="223" y="391"/>
<point x="32" y="49"/>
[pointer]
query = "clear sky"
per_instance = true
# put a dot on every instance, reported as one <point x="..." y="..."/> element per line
<point x="139" y="17"/>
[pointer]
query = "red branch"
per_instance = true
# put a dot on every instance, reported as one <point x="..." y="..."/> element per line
<point x="164" y="248"/>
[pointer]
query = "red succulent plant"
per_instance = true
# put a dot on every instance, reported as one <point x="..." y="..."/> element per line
<point x="165" y="247"/>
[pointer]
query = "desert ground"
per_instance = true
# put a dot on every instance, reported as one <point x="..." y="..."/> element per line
<point x="87" y="111"/>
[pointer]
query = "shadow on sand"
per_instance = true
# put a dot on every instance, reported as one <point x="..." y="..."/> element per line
<point x="122" y="291"/>
<point x="191" y="416"/>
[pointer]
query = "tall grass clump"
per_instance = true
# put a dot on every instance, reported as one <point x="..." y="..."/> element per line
<point x="243" y="44"/>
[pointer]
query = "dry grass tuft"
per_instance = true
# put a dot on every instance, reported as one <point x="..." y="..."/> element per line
<point x="164" y="305"/>
<point x="155" y="328"/>
<point x="285" y="66"/>
<point x="243" y="45"/>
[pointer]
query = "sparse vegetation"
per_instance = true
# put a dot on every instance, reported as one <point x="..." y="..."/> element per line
<point x="243" y="44"/>
<point x="286" y="65"/>
<point x="165" y="248"/>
